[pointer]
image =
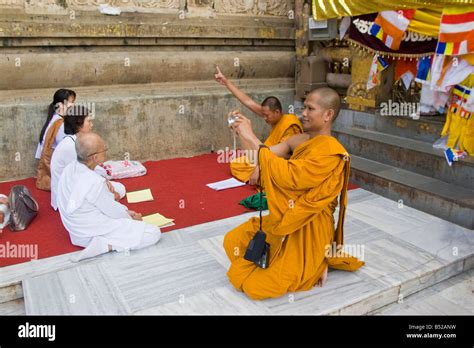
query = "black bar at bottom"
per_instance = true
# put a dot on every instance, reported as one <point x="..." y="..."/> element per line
<point x="137" y="330"/>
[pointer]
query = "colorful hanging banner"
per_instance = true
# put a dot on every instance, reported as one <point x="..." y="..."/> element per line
<point x="456" y="32"/>
<point x="412" y="45"/>
<point x="390" y="26"/>
<point x="378" y="65"/>
<point x="459" y="98"/>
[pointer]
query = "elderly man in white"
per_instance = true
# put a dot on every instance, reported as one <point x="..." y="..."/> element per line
<point x="78" y="120"/>
<point x="89" y="211"/>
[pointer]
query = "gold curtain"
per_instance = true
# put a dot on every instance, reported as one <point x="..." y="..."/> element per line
<point x="325" y="9"/>
<point x="426" y="21"/>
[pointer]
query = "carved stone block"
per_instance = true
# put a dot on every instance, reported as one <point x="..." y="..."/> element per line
<point x="255" y="7"/>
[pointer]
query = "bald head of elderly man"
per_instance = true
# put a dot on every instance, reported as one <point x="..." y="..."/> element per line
<point x="89" y="211"/>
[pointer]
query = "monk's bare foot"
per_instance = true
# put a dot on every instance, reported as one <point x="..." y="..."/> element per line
<point x="322" y="281"/>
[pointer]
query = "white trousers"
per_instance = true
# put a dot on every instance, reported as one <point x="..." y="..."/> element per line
<point x="150" y="237"/>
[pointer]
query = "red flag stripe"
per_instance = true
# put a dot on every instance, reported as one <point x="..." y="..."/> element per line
<point x="457" y="18"/>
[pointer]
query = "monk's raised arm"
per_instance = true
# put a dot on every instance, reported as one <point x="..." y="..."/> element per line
<point x="238" y="93"/>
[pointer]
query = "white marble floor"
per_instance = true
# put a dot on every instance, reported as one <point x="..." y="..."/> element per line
<point x="405" y="251"/>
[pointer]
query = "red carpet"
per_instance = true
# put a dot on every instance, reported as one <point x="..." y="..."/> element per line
<point x="179" y="190"/>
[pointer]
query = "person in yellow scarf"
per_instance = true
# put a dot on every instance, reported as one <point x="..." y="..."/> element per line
<point x="283" y="126"/>
<point x="302" y="195"/>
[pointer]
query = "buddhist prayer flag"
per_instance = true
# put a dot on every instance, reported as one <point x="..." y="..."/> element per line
<point x="456" y="34"/>
<point x="424" y="68"/>
<point x="378" y="64"/>
<point x="460" y="96"/>
<point x="390" y="26"/>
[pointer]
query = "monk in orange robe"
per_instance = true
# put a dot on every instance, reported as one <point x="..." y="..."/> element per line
<point x="303" y="177"/>
<point x="283" y="126"/>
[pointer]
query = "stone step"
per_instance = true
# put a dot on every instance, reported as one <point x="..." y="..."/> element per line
<point x="447" y="201"/>
<point x="110" y="67"/>
<point x="449" y="297"/>
<point x="405" y="251"/>
<point x="408" y="154"/>
<point x="426" y="128"/>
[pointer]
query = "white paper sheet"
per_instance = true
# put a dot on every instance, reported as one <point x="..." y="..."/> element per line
<point x="225" y="184"/>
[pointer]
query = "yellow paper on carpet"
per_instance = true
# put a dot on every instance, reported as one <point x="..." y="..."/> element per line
<point x="158" y="220"/>
<point x="139" y="196"/>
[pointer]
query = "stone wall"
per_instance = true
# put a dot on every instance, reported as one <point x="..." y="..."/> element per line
<point x="148" y="72"/>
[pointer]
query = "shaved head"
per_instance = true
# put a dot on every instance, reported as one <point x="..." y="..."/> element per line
<point x="273" y="104"/>
<point x="327" y="98"/>
<point x="271" y="110"/>
<point x="321" y="108"/>
<point x="88" y="144"/>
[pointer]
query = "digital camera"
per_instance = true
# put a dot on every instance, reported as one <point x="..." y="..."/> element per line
<point x="232" y="118"/>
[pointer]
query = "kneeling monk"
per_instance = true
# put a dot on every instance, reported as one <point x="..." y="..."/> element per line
<point x="302" y="196"/>
<point x="283" y="126"/>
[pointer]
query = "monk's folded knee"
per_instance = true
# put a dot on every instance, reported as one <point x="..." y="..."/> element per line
<point x="252" y="291"/>
<point x="229" y="245"/>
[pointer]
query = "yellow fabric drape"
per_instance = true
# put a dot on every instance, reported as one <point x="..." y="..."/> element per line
<point x="325" y="9"/>
<point x="286" y="127"/>
<point x="302" y="196"/>
<point x="426" y="21"/>
<point x="460" y="130"/>
<point x="467" y="136"/>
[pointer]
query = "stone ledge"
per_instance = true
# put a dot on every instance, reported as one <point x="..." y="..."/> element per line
<point x="12" y="98"/>
<point x="59" y="44"/>
<point x="131" y="25"/>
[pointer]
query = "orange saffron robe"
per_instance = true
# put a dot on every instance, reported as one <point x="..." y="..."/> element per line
<point x="288" y="126"/>
<point x="302" y="197"/>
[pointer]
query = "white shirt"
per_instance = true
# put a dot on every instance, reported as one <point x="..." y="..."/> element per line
<point x="59" y="136"/>
<point x="88" y="210"/>
<point x="64" y="154"/>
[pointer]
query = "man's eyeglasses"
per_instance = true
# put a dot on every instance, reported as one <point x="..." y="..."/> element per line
<point x="96" y="153"/>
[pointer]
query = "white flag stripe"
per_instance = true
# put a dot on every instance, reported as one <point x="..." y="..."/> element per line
<point x="389" y="41"/>
<point x="394" y="17"/>
<point x="456" y="28"/>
